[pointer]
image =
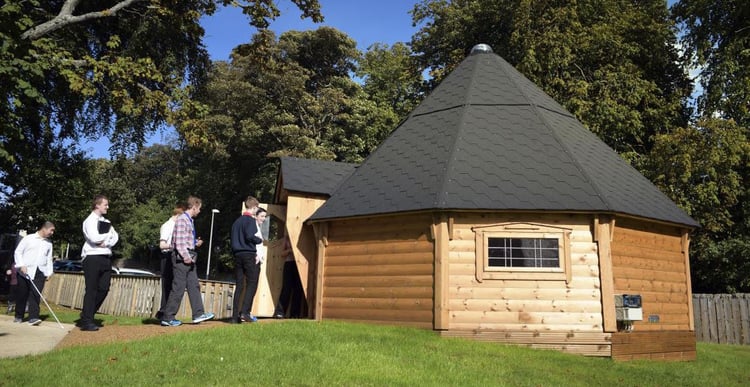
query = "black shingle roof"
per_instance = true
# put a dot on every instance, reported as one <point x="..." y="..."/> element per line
<point x="487" y="138"/>
<point x="313" y="176"/>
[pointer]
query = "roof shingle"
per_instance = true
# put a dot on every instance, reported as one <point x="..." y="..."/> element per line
<point x="487" y="138"/>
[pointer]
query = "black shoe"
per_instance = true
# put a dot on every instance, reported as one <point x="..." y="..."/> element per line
<point x="235" y="321"/>
<point x="278" y="316"/>
<point x="89" y="328"/>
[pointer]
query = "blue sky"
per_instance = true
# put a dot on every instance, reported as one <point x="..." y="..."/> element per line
<point x="365" y="21"/>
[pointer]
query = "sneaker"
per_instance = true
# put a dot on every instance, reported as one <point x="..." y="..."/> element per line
<point x="203" y="317"/>
<point x="35" y="321"/>
<point x="171" y="323"/>
<point x="17" y="320"/>
<point x="246" y="317"/>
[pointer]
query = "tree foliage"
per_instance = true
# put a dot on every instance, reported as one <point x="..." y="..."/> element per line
<point x="72" y="70"/>
<point x="716" y="39"/>
<point x="709" y="168"/>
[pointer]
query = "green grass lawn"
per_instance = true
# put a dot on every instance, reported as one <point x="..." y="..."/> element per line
<point x="297" y="352"/>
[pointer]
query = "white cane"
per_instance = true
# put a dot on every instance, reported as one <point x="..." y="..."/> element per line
<point x="45" y="301"/>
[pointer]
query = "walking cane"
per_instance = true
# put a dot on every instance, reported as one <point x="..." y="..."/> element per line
<point x="45" y="301"/>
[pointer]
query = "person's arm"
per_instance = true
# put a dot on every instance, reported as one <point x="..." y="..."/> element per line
<point x="91" y="232"/>
<point x="18" y="256"/>
<point x="48" y="272"/>
<point x="252" y="229"/>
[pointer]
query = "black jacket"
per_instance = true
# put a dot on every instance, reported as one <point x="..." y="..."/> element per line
<point x="243" y="235"/>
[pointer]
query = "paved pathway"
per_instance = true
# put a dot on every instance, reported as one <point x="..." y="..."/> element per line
<point x="23" y="339"/>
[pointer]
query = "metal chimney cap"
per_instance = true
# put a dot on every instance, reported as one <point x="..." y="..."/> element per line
<point x="481" y="48"/>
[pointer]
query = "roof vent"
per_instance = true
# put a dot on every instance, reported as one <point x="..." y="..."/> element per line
<point x="481" y="48"/>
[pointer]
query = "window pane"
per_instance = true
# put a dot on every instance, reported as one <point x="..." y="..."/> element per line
<point x="523" y="252"/>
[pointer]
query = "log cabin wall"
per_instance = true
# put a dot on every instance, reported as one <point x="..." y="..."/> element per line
<point x="562" y="314"/>
<point x="379" y="270"/>
<point x="648" y="259"/>
<point x="652" y="260"/>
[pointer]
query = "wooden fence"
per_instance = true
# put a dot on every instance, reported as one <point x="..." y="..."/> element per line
<point x="722" y="318"/>
<point x="137" y="296"/>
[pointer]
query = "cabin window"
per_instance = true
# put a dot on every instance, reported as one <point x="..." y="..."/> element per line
<point x="522" y="251"/>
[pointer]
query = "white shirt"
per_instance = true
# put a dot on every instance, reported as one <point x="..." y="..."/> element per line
<point x="165" y="234"/>
<point x="94" y="239"/>
<point x="34" y="252"/>
<point x="260" y="250"/>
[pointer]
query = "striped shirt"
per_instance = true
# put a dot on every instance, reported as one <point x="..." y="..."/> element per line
<point x="183" y="235"/>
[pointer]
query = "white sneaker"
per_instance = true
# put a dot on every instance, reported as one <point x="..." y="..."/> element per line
<point x="203" y="317"/>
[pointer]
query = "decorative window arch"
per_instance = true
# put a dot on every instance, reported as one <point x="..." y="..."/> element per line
<point x="522" y="251"/>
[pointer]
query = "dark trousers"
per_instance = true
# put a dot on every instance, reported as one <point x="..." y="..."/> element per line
<point x="167" y="276"/>
<point x="25" y="293"/>
<point x="246" y="273"/>
<point x="184" y="278"/>
<point x="291" y="291"/>
<point x="97" y="273"/>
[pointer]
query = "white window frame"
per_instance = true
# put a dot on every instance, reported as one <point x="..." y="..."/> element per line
<point x="484" y="271"/>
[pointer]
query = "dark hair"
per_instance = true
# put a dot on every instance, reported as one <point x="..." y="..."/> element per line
<point x="45" y="224"/>
<point x="260" y="211"/>
<point x="179" y="208"/>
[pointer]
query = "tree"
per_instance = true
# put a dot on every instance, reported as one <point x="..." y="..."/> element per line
<point x="716" y="40"/>
<point x="72" y="70"/>
<point x="286" y="96"/>
<point x="611" y="63"/>
<point x="713" y="170"/>
<point x="391" y="77"/>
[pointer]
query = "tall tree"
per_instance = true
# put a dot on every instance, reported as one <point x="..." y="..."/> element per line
<point x="73" y="69"/>
<point x="716" y="39"/>
<point x="710" y="168"/>
<point x="391" y="76"/>
<point x="286" y="96"/>
<point x="611" y="63"/>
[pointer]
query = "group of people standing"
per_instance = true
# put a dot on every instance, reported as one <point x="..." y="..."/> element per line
<point x="178" y="242"/>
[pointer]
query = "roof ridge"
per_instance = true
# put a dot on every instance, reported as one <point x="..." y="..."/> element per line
<point x="441" y="199"/>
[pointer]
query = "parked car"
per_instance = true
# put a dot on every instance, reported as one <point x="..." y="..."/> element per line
<point x="67" y="266"/>
<point x="132" y="272"/>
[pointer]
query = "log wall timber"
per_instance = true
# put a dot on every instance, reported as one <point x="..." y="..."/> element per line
<point x="520" y="304"/>
<point x="557" y="314"/>
<point x="379" y="270"/>
<point x="649" y="259"/>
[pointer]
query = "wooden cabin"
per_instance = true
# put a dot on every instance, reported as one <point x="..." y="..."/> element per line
<point x="492" y="213"/>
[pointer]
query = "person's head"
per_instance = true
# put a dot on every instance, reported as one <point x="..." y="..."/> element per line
<point x="260" y="215"/>
<point x="46" y="229"/>
<point x="179" y="208"/>
<point x="251" y="204"/>
<point x="193" y="206"/>
<point x="100" y="205"/>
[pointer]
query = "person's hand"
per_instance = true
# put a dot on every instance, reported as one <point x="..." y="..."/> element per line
<point x="199" y="242"/>
<point x="187" y="261"/>
<point x="257" y="259"/>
